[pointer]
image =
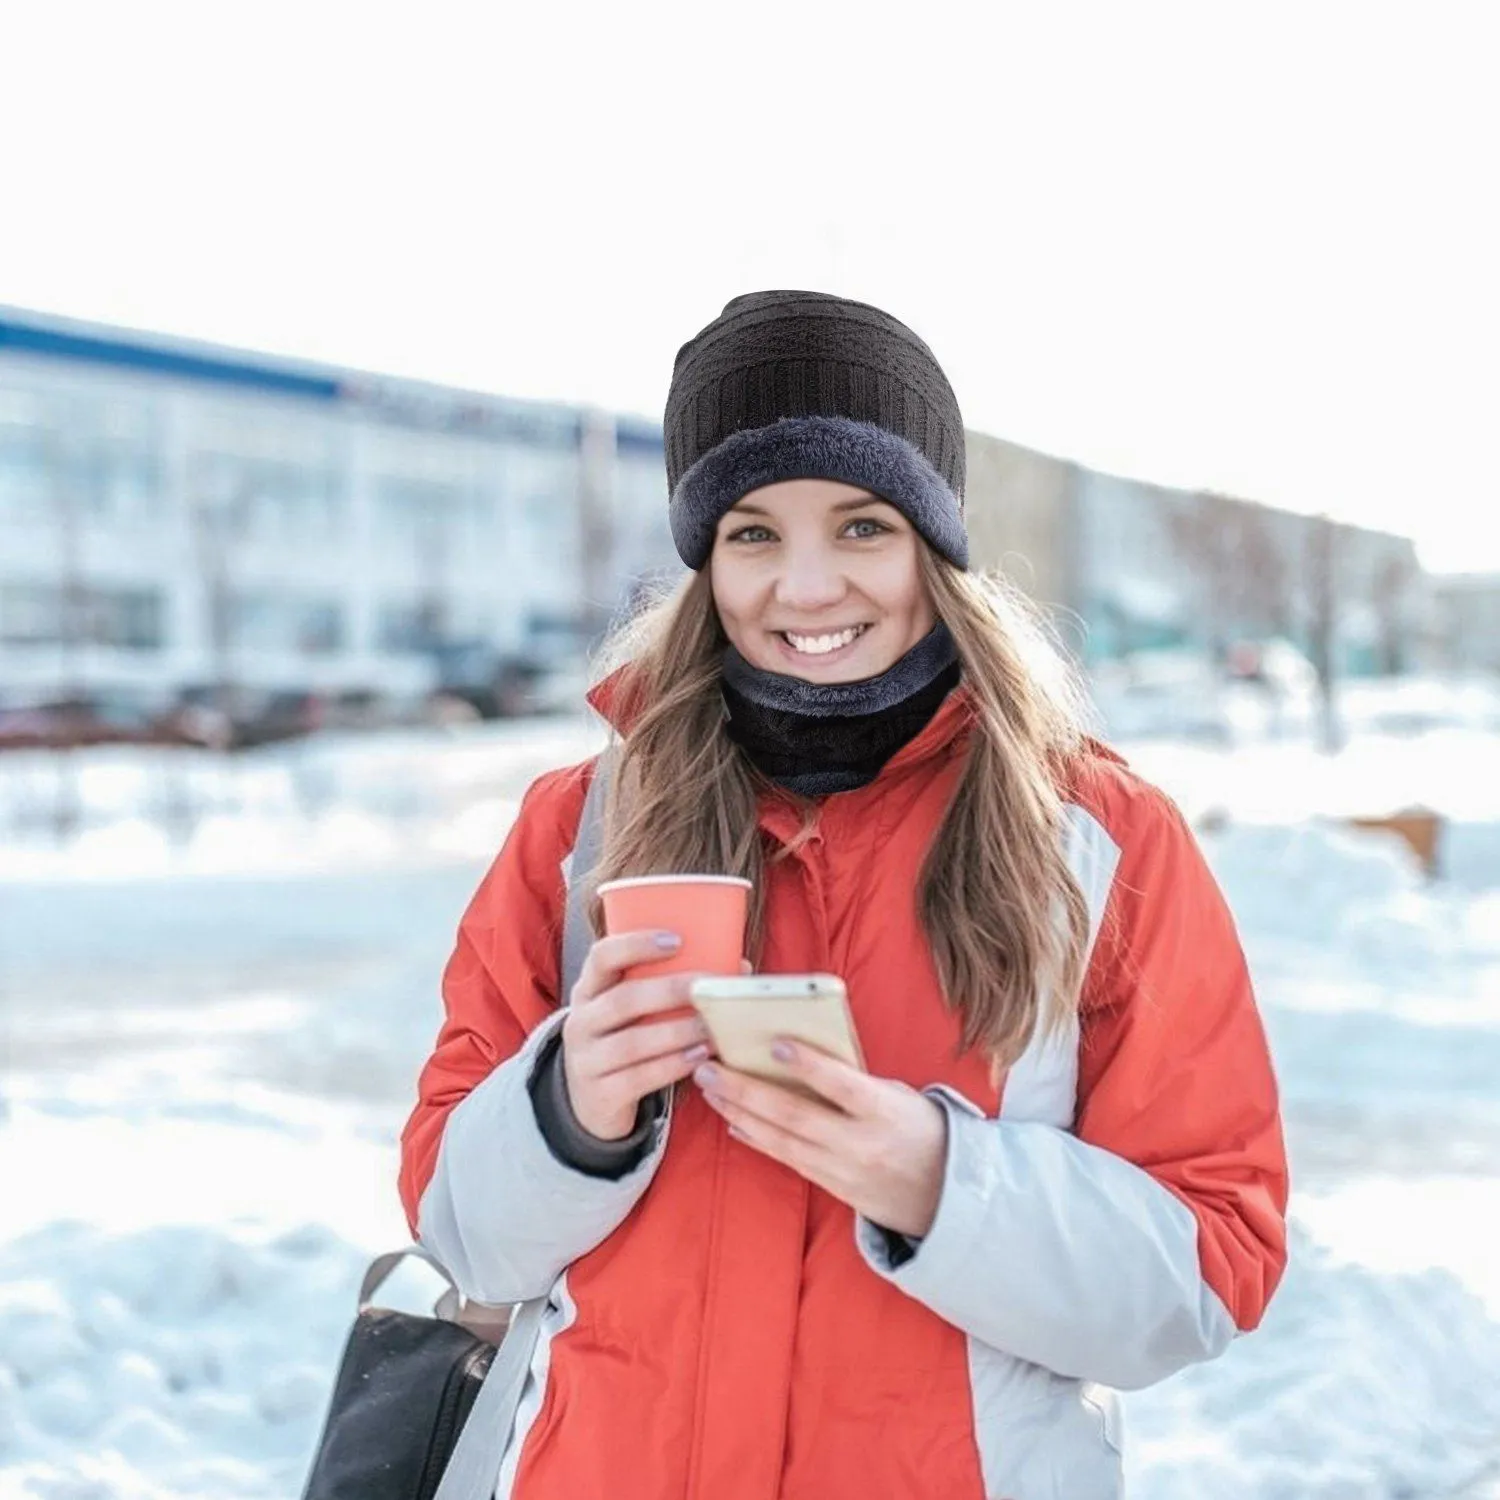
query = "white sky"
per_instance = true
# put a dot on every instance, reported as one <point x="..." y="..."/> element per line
<point x="1246" y="247"/>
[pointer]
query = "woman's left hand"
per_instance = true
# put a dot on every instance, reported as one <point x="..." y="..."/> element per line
<point x="877" y="1145"/>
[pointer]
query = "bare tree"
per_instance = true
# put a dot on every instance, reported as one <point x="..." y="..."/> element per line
<point x="1260" y="581"/>
<point x="1230" y="549"/>
<point x="1199" y="541"/>
<point x="1393" y="581"/>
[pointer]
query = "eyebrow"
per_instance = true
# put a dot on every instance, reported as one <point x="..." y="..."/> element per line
<point x="858" y="503"/>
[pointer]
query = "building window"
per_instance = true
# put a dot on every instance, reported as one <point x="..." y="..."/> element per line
<point x="440" y="519"/>
<point x="127" y="619"/>
<point x="27" y="446"/>
<point x="267" y="475"/>
<point x="423" y="625"/>
<point x="30" y="615"/>
<point x="272" y="498"/>
<point x="409" y="627"/>
<point x="542" y="486"/>
<point x="408" y="507"/>
<point x="278" y="620"/>
<point x="116" y="458"/>
<point x="78" y="457"/>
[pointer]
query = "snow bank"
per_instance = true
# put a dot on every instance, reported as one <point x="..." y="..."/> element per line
<point x="179" y="1363"/>
<point x="1358" y="1384"/>
<point x="328" y="803"/>
<point x="1334" y="916"/>
<point x="169" y="1364"/>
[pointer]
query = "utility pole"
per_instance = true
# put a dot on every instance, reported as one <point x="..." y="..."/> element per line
<point x="72" y="594"/>
<point x="433" y="518"/>
<point x="72" y="607"/>
<point x="218" y="515"/>
<point x="596" y="551"/>
<point x="1323" y="587"/>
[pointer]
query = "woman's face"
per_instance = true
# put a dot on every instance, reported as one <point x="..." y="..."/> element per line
<point x="818" y="579"/>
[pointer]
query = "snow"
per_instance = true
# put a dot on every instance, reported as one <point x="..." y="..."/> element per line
<point x="218" y="987"/>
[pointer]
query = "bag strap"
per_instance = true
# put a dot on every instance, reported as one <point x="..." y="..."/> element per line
<point x="448" y="1305"/>
<point x="588" y="845"/>
<point x="473" y="1468"/>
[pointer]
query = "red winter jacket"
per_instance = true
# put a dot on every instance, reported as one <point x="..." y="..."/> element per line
<point x="717" y="1327"/>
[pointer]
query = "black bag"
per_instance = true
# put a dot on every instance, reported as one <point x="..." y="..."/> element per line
<point x="404" y="1387"/>
<point x="397" y="1421"/>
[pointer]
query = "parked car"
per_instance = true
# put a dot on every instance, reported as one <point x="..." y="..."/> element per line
<point x="1169" y="691"/>
<point x="546" y="673"/>
<point x="113" y="716"/>
<point x="499" y="684"/>
<point x="282" y="715"/>
<point x="239" y="718"/>
<point x="1274" y="664"/>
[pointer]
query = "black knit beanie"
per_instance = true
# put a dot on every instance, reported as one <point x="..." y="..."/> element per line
<point x="802" y="385"/>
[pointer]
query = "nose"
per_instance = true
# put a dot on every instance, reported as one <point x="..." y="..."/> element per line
<point x="809" y="582"/>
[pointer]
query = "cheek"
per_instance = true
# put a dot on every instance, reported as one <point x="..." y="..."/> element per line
<point x="923" y="612"/>
<point x="899" y="590"/>
<point x="733" y="597"/>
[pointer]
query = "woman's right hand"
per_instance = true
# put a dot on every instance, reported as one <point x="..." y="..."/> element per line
<point x="614" y="1054"/>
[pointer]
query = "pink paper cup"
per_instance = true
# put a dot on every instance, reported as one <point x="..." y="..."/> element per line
<point x="708" y="912"/>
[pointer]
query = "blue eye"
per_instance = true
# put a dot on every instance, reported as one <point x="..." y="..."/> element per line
<point x="749" y="534"/>
<point x="871" y="527"/>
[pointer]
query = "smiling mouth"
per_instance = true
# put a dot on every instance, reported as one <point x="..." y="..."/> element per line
<point x="822" y="645"/>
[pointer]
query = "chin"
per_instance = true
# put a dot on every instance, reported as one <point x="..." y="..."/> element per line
<point x="844" y="672"/>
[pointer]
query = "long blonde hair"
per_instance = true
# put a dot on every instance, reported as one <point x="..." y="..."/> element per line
<point x="1005" y="919"/>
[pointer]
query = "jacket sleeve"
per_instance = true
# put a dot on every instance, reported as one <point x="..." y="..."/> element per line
<point x="1153" y="1232"/>
<point x="481" y="1188"/>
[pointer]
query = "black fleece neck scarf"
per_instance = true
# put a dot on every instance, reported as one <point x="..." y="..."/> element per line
<point x="815" y="739"/>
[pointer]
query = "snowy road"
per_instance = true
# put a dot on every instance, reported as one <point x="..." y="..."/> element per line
<point x="206" y="1072"/>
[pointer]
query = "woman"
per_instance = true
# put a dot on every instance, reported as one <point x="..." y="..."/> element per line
<point x="1063" y="1172"/>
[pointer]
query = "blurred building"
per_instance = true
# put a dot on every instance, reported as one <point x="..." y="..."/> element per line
<point x="1467" y="610"/>
<point x="1129" y="566"/>
<point x="175" y="514"/>
<point x="1021" y="512"/>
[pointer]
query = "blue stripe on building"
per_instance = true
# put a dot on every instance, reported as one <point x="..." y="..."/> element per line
<point x="125" y="354"/>
<point x="638" y="437"/>
<point x="460" y="413"/>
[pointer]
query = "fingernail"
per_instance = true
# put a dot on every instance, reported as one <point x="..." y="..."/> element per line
<point x="668" y="941"/>
<point x="783" y="1051"/>
<point x="706" y="1076"/>
<point x="696" y="1054"/>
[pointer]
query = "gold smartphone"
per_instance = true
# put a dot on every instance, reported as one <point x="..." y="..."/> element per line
<point x="745" y="1015"/>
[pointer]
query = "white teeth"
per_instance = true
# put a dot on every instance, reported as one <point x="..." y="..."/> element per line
<point x="821" y="645"/>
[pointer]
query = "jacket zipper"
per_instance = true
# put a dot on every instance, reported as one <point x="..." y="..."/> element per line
<point x="445" y="1428"/>
<point x="705" y="1349"/>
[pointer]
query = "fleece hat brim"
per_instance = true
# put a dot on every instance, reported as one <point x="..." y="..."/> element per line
<point x="857" y="453"/>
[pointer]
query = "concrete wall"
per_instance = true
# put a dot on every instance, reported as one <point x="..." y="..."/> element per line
<point x="1019" y="509"/>
<point x="1127" y="565"/>
<point x="1467" y="620"/>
